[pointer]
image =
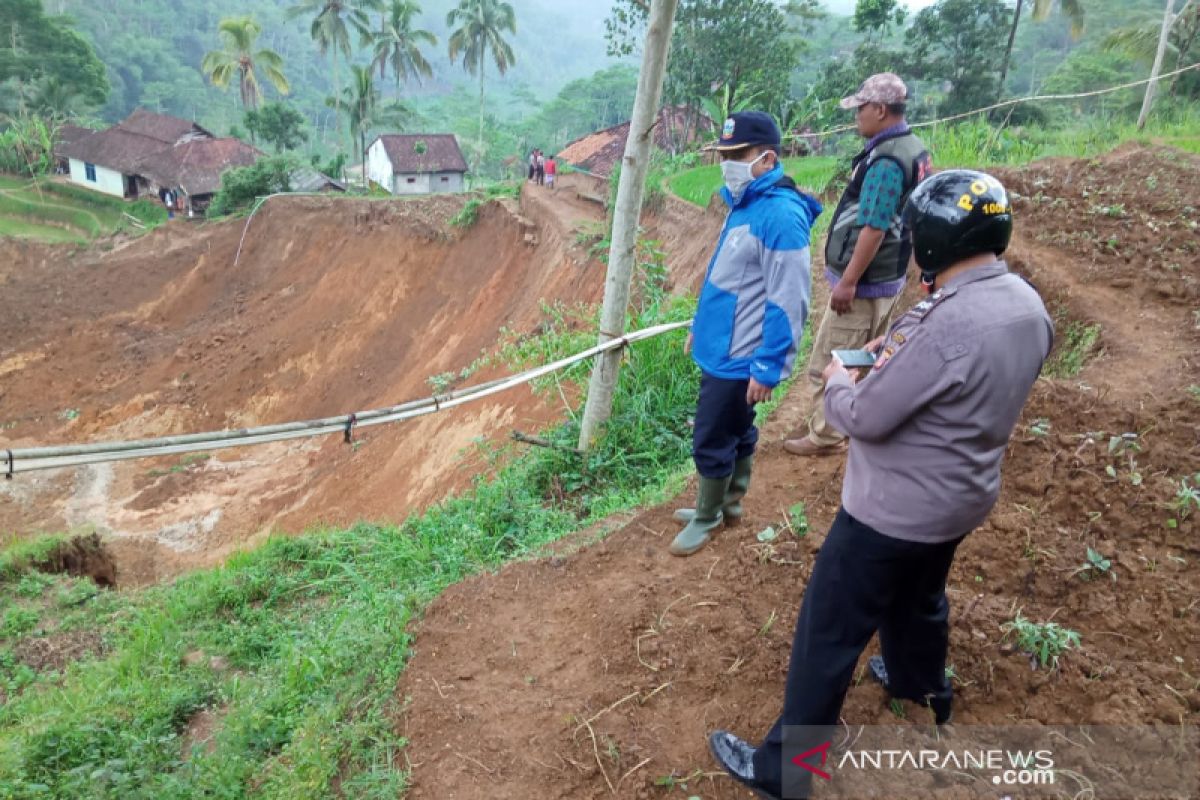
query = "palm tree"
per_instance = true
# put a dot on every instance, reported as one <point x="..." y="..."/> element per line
<point x="361" y="100"/>
<point x="1071" y="9"/>
<point x="330" y="32"/>
<point x="481" y="24"/>
<point x="239" y="58"/>
<point x="400" y="45"/>
<point x="1152" y="41"/>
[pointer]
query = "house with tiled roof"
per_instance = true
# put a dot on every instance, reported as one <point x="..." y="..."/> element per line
<point x="598" y="153"/>
<point x="148" y="154"/>
<point x="417" y="163"/>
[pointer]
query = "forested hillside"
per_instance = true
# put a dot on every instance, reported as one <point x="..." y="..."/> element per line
<point x="553" y="71"/>
<point x="154" y="48"/>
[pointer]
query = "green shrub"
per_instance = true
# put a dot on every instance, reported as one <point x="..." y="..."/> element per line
<point x="468" y="215"/>
<point x="242" y="186"/>
<point x="149" y="212"/>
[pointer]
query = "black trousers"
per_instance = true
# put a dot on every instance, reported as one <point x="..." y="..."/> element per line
<point x="862" y="582"/>
<point x="724" y="431"/>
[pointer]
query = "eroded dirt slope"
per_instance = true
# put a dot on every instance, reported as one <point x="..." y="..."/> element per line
<point x="654" y="652"/>
<point x="334" y="305"/>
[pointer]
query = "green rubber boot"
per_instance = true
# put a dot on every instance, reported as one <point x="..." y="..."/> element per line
<point x="706" y="518"/>
<point x="739" y="484"/>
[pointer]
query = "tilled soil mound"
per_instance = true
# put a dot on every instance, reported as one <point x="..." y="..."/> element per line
<point x="600" y="674"/>
<point x="334" y="305"/>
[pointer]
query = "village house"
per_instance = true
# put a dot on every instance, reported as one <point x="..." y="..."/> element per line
<point x="148" y="154"/>
<point x="597" y="154"/>
<point x="411" y="163"/>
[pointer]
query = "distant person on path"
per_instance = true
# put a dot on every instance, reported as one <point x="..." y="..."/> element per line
<point x="867" y="250"/>
<point x="551" y="171"/>
<point x="750" y="318"/>
<point x="928" y="428"/>
<point x="541" y="168"/>
<point x="168" y="199"/>
<point x="532" y="165"/>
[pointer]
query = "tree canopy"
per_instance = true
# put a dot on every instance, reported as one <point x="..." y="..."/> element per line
<point x="38" y="52"/>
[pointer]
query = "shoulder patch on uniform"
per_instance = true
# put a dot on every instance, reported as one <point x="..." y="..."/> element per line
<point x="884" y="357"/>
<point x="922" y="309"/>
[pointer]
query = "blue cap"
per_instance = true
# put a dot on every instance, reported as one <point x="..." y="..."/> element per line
<point x="746" y="128"/>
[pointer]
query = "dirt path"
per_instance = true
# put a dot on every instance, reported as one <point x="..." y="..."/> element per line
<point x="599" y="674"/>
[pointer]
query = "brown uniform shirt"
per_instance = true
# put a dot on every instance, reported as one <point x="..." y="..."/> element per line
<point x="929" y="425"/>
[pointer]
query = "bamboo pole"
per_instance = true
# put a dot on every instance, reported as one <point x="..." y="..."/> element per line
<point x="1163" y="36"/>
<point x="630" y="191"/>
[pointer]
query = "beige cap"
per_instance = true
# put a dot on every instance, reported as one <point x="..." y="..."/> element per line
<point x="886" y="88"/>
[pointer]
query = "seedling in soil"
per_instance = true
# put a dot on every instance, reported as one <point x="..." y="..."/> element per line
<point x="672" y="782"/>
<point x="1044" y="642"/>
<point x="897" y="708"/>
<point x="952" y="675"/>
<point x="1040" y="427"/>
<point x="1194" y="391"/>
<point x="797" y="520"/>
<point x="1124" y="447"/>
<point x="1187" y="500"/>
<point x="1096" y="564"/>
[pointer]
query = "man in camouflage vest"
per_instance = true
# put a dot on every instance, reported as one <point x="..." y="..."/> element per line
<point x="868" y="248"/>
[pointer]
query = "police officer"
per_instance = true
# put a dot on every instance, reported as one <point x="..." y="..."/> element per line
<point x="928" y="427"/>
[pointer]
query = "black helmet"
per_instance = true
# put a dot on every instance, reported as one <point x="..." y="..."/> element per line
<point x="957" y="214"/>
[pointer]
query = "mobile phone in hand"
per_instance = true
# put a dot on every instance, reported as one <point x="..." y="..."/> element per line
<point x="855" y="359"/>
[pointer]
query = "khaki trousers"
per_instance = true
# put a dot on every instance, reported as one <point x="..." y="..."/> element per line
<point x="867" y="319"/>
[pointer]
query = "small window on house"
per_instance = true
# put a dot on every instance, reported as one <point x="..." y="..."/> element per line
<point x="90" y="170"/>
<point x="445" y="179"/>
<point x="412" y="180"/>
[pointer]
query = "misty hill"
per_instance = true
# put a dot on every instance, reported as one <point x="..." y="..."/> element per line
<point x="153" y="50"/>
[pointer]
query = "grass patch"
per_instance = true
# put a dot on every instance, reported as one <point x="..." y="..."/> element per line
<point x="20" y="228"/>
<point x="73" y="218"/>
<point x="469" y="214"/>
<point x="18" y="559"/>
<point x="55" y="212"/>
<point x="697" y="185"/>
<point x="1077" y="342"/>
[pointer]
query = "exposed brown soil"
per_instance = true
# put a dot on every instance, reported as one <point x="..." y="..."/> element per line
<point x="334" y="306"/>
<point x="599" y="674"/>
<point x="83" y="557"/>
<point x="52" y="653"/>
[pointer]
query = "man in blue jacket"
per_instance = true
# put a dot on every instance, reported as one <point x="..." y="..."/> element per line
<point x="749" y="320"/>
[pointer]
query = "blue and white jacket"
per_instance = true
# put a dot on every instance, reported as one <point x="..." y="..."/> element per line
<point x="756" y="294"/>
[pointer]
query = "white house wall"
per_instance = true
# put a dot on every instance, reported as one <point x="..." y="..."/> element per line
<point x="411" y="183"/>
<point x="427" y="183"/>
<point x="107" y="180"/>
<point x="379" y="168"/>
<point x="453" y="182"/>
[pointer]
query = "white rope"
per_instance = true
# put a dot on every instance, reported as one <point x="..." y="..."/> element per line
<point x="1004" y="104"/>
<point x="38" y="458"/>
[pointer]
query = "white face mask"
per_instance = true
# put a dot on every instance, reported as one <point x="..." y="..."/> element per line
<point x="738" y="175"/>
